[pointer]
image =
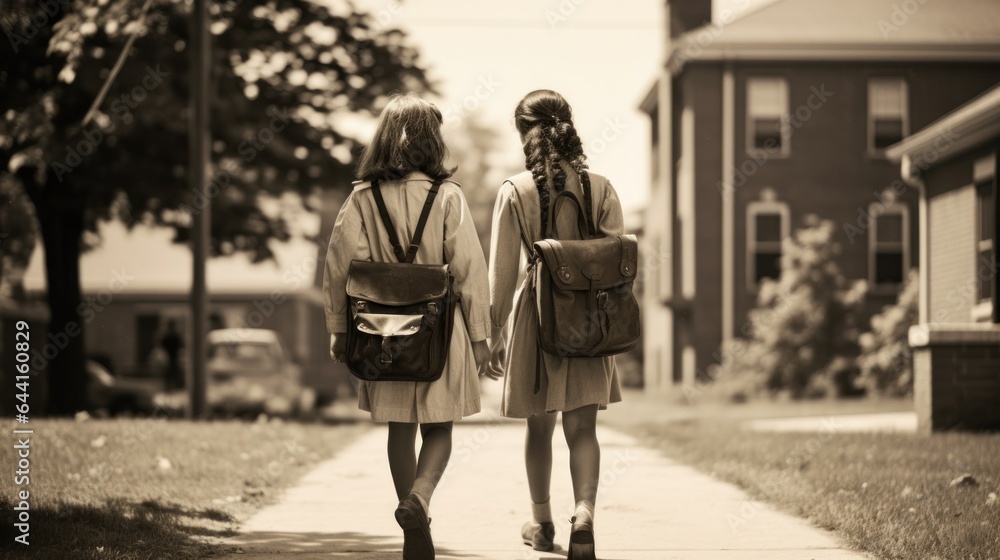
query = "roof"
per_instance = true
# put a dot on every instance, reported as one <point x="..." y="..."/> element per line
<point x="147" y="261"/>
<point x="850" y="30"/>
<point x="651" y="100"/>
<point x="964" y="128"/>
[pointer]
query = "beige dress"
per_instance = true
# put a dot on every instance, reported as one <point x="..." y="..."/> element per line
<point x="450" y="237"/>
<point x="566" y="383"/>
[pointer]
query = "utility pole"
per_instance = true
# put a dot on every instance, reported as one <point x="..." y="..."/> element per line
<point x="201" y="227"/>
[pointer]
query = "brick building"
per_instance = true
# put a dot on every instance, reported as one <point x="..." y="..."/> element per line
<point x="783" y="113"/>
<point x="953" y="164"/>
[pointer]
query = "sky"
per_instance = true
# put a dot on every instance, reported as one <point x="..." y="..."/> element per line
<point x="602" y="55"/>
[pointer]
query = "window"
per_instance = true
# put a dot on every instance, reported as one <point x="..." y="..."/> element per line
<point x="767" y="115"/>
<point x="985" y="176"/>
<point x="889" y="245"/>
<point x="887" y="113"/>
<point x="767" y="225"/>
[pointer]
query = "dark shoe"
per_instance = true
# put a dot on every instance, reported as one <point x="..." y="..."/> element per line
<point x="416" y="526"/>
<point x="581" y="540"/>
<point x="539" y="536"/>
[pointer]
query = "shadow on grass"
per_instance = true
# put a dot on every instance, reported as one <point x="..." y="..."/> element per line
<point x="327" y="545"/>
<point x="118" y="530"/>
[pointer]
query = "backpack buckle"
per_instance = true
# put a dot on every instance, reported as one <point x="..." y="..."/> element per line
<point x="602" y="300"/>
<point x="385" y="358"/>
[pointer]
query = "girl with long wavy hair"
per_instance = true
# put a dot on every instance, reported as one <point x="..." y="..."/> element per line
<point x="406" y="157"/>
<point x="538" y="385"/>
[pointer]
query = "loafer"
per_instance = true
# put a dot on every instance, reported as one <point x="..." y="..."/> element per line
<point x="416" y="526"/>
<point x="539" y="536"/>
<point x="581" y="540"/>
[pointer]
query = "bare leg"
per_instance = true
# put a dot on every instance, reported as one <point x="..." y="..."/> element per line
<point x="402" y="457"/>
<point x="538" y="455"/>
<point x="435" y="451"/>
<point x="580" y="427"/>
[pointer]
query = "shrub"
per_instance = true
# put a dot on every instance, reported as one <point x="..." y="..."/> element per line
<point x="885" y="361"/>
<point x="801" y="340"/>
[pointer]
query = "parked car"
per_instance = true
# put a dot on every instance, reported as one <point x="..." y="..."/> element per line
<point x="249" y="372"/>
<point x="118" y="395"/>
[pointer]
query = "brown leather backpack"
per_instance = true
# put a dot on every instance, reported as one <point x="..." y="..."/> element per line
<point x="583" y="289"/>
<point x="400" y="314"/>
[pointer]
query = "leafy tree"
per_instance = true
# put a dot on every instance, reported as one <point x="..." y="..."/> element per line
<point x="17" y="237"/>
<point x="803" y="335"/>
<point x="473" y="145"/>
<point x="284" y="74"/>
<point x="886" y="362"/>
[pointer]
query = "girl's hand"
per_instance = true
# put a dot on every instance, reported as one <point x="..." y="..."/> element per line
<point x="498" y="354"/>
<point x="496" y="337"/>
<point x="481" y="351"/>
<point x="497" y="357"/>
<point x="338" y="348"/>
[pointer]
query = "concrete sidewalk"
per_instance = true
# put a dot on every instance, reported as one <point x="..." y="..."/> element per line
<point x="899" y="422"/>
<point x="648" y="507"/>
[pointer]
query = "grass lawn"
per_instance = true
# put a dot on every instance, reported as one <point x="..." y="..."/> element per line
<point x="886" y="494"/>
<point x="138" y="489"/>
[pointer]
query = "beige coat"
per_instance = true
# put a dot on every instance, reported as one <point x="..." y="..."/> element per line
<point x="566" y="383"/>
<point x="450" y="237"/>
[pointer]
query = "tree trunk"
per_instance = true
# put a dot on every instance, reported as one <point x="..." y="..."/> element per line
<point x="60" y="216"/>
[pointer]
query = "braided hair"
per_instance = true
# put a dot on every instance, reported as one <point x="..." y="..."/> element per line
<point x="545" y="121"/>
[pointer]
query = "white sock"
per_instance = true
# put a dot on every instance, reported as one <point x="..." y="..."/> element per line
<point x="423" y="489"/>
<point x="584" y="511"/>
<point x="542" y="513"/>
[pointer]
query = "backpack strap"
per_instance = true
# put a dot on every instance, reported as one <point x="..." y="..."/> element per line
<point x="397" y="249"/>
<point x="418" y="233"/>
<point x="585" y="222"/>
<point x="582" y="225"/>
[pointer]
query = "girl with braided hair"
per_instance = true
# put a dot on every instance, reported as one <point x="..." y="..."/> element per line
<point x="537" y="385"/>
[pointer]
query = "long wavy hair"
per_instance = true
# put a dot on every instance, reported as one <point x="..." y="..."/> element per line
<point x="407" y="139"/>
<point x="545" y="121"/>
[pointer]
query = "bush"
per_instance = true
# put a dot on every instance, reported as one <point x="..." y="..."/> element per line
<point x="801" y="340"/>
<point x="885" y="361"/>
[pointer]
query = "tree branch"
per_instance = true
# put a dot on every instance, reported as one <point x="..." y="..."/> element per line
<point x="113" y="75"/>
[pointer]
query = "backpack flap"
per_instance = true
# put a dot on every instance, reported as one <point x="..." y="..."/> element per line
<point x="584" y="296"/>
<point x="397" y="284"/>
<point x="600" y="264"/>
<point x="401" y="315"/>
<point x="384" y="324"/>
